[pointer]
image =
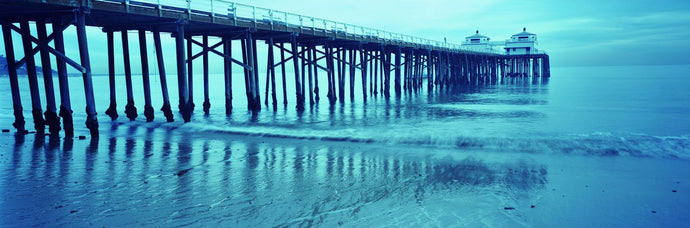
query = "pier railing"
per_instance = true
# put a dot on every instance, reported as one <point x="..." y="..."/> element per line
<point x="258" y="15"/>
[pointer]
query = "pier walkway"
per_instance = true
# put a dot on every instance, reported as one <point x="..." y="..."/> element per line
<point x="380" y="63"/>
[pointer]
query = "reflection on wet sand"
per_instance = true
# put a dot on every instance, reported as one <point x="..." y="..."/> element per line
<point x="170" y="179"/>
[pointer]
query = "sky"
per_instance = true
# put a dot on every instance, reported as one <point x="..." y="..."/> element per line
<point x="573" y="33"/>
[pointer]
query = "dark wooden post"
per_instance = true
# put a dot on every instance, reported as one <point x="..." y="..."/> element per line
<point x="363" y="64"/>
<point x="341" y="76"/>
<point x="295" y="61"/>
<point x="91" y="120"/>
<point x="312" y="68"/>
<point x="398" y="57"/>
<point x="148" y="108"/>
<point x="65" y="105"/>
<point x="51" y="117"/>
<point x="130" y="109"/>
<point x="39" y="123"/>
<point x="163" y="78"/>
<point x="257" y="92"/>
<point x="272" y="73"/>
<point x="112" y="109"/>
<point x="305" y="66"/>
<point x="429" y="71"/>
<point x="375" y="73"/>
<point x="352" y="74"/>
<point x="316" y="75"/>
<point x="227" y="65"/>
<point x="190" y="74"/>
<point x="282" y="71"/>
<point x="14" y="82"/>
<point x="182" y="73"/>
<point x="207" y="100"/>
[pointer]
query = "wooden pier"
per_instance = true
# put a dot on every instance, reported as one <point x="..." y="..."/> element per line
<point x="386" y="64"/>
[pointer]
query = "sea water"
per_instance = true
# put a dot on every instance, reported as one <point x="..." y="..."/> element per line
<point x="590" y="146"/>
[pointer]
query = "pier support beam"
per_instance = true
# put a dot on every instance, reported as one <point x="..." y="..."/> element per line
<point x="51" y="117"/>
<point x="298" y="82"/>
<point x="167" y="112"/>
<point x="190" y="75"/>
<point x="398" y="57"/>
<point x="91" y="120"/>
<point x="207" y="100"/>
<point x="271" y="75"/>
<point x="363" y="62"/>
<point x="112" y="109"/>
<point x="65" y="104"/>
<point x="251" y="76"/>
<point x="130" y="109"/>
<point x="227" y="72"/>
<point x="14" y="82"/>
<point x="316" y="75"/>
<point x="353" y="60"/>
<point x="148" y="108"/>
<point x="39" y="123"/>
<point x="282" y="71"/>
<point x="182" y="73"/>
<point x="312" y="68"/>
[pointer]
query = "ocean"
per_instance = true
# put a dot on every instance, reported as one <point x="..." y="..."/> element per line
<point x="589" y="146"/>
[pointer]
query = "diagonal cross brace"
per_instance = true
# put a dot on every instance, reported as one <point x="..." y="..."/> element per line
<point x="211" y="49"/>
<point x="47" y="40"/>
<point x="44" y="45"/>
<point x="300" y="57"/>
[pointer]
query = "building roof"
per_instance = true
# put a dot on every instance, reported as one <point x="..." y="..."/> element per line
<point x="524" y="33"/>
<point x="477" y="35"/>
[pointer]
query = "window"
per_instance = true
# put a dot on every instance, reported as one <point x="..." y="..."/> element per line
<point x="474" y="41"/>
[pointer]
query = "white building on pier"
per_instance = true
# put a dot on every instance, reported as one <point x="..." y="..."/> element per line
<point x="523" y="43"/>
<point x="477" y="41"/>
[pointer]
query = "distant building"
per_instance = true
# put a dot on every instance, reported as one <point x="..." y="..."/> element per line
<point x="523" y="43"/>
<point x="477" y="41"/>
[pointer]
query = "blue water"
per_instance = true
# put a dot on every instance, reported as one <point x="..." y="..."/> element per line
<point x="462" y="156"/>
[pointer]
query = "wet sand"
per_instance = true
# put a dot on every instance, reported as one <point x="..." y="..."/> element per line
<point x="140" y="175"/>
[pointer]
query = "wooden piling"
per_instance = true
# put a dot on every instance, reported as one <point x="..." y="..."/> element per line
<point x="295" y="62"/>
<point x="227" y="73"/>
<point x="91" y="119"/>
<point x="272" y="72"/>
<point x="352" y="61"/>
<point x="312" y="68"/>
<point x="148" y="108"/>
<point x="252" y="76"/>
<point x="363" y="63"/>
<point x="182" y="72"/>
<point x="331" y="72"/>
<point x="257" y="92"/>
<point x="65" y="104"/>
<point x="51" y="117"/>
<point x="398" y="58"/>
<point x="14" y="82"/>
<point x="130" y="109"/>
<point x="316" y="75"/>
<point x="190" y="74"/>
<point x="207" y="100"/>
<point x="167" y="111"/>
<point x="36" y="110"/>
<point x="304" y="67"/>
<point x="341" y="74"/>
<point x="112" y="109"/>
<point x="282" y="72"/>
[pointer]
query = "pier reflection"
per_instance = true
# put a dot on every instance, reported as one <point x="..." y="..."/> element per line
<point x="173" y="179"/>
